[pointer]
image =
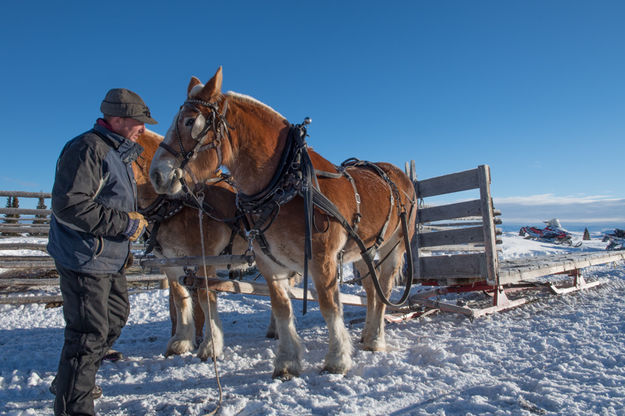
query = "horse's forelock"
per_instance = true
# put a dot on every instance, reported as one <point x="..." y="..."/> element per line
<point x="196" y="90"/>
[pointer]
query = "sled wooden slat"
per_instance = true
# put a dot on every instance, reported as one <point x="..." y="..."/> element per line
<point x="194" y="261"/>
<point x="455" y="182"/>
<point x="450" y="237"/>
<point x="532" y="268"/>
<point x="459" y="266"/>
<point x="450" y="211"/>
<point x="260" y="289"/>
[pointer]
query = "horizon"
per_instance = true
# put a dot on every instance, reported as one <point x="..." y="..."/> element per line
<point x="534" y="89"/>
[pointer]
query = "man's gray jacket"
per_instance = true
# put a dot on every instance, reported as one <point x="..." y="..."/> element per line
<point x="94" y="189"/>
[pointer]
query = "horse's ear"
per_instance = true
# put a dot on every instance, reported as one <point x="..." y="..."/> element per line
<point x="212" y="87"/>
<point x="194" y="81"/>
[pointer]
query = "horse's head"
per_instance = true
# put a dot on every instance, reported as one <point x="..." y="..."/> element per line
<point x="141" y="168"/>
<point x="192" y="148"/>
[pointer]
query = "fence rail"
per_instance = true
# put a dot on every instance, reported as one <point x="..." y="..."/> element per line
<point x="15" y="221"/>
<point x="22" y="194"/>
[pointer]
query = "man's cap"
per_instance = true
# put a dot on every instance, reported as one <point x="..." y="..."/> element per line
<point x="120" y="102"/>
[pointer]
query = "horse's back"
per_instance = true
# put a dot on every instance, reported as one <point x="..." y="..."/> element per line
<point x="378" y="197"/>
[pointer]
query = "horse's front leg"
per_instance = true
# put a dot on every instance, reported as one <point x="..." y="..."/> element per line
<point x="287" y="363"/>
<point x="272" y="332"/>
<point x="182" y="339"/>
<point x="338" y="360"/>
<point x="213" y="344"/>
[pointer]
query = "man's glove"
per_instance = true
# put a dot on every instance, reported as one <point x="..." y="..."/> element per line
<point x="136" y="226"/>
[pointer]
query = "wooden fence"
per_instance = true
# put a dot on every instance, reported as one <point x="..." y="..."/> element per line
<point x="18" y="221"/>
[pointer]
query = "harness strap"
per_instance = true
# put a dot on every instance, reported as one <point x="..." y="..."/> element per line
<point x="326" y="174"/>
<point x="152" y="242"/>
<point x="357" y="215"/>
<point x="324" y="203"/>
<point x="259" y="236"/>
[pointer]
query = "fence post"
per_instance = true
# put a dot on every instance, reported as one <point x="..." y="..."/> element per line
<point x="40" y="218"/>
<point x="12" y="202"/>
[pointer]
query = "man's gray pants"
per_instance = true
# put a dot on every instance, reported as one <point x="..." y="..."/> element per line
<point x="95" y="308"/>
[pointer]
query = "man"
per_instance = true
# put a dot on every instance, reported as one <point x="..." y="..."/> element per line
<point x="93" y="221"/>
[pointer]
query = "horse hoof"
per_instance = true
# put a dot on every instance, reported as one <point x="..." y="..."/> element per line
<point x="206" y="351"/>
<point x="333" y="370"/>
<point x="374" y="347"/>
<point x="282" y="375"/>
<point x="178" y="347"/>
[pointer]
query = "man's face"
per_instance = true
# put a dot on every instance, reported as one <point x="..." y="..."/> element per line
<point x="127" y="127"/>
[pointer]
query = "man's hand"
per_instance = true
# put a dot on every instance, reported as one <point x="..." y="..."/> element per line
<point x="136" y="226"/>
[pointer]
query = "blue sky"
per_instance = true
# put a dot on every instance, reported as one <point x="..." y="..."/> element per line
<point x="535" y="89"/>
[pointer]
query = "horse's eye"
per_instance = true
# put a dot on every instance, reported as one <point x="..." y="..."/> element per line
<point x="189" y="122"/>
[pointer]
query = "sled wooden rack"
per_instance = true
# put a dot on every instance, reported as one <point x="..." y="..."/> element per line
<point x="441" y="263"/>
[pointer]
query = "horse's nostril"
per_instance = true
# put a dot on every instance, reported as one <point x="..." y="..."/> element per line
<point x="157" y="179"/>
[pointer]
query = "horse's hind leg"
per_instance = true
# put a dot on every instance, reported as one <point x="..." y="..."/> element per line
<point x="213" y="344"/>
<point x="373" y="334"/>
<point x="182" y="339"/>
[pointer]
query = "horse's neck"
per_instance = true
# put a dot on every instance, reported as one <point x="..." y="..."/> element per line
<point x="146" y="194"/>
<point x="256" y="148"/>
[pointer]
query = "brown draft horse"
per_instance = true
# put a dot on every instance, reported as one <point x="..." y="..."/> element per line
<point x="248" y="138"/>
<point x="179" y="236"/>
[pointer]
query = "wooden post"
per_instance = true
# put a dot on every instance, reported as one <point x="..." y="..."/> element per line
<point x="490" y="240"/>
<point x="414" y="242"/>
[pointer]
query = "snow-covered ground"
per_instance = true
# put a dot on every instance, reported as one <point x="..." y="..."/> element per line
<point x="556" y="355"/>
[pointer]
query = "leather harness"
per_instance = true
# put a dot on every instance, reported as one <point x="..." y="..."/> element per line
<point x="296" y="176"/>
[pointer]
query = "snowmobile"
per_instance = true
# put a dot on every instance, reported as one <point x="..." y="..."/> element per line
<point x="552" y="233"/>
<point x="616" y="239"/>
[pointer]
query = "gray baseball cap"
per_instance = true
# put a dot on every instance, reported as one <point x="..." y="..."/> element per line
<point x="120" y="102"/>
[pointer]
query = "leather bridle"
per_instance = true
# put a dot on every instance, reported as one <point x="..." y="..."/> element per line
<point x="215" y="122"/>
